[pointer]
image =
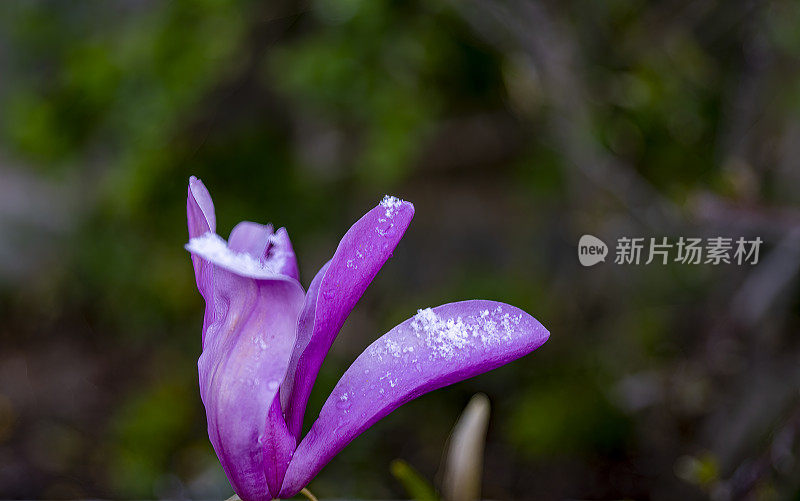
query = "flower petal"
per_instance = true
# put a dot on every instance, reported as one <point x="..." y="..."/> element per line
<point x="435" y="348"/>
<point x="249" y="331"/>
<point x="333" y="294"/>
<point x="280" y="255"/>
<point x="246" y="351"/>
<point x="200" y="209"/>
<point x="273" y="250"/>
<point x="201" y="219"/>
<point x="251" y="238"/>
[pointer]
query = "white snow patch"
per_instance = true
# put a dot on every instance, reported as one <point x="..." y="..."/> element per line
<point x="391" y="204"/>
<point x="389" y="347"/>
<point x="214" y="248"/>
<point x="443" y="337"/>
<point x="392" y="347"/>
<point x="446" y="337"/>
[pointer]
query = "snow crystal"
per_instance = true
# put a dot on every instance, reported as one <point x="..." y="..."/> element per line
<point x="446" y="336"/>
<point x="213" y="248"/>
<point x="392" y="347"/>
<point x="506" y="322"/>
<point x="391" y="204"/>
<point x="389" y="346"/>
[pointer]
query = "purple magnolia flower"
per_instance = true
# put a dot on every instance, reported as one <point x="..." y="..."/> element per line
<point x="264" y="340"/>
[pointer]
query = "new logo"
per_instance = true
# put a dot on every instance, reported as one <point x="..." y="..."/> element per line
<point x="591" y="250"/>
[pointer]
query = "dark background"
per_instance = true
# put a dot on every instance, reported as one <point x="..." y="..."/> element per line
<point x="514" y="127"/>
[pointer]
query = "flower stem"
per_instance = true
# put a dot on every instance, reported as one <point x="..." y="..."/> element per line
<point x="307" y="493"/>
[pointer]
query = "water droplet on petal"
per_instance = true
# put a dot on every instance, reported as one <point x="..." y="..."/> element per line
<point x="385" y="228"/>
<point x="339" y="423"/>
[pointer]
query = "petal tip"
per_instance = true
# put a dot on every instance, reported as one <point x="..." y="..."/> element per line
<point x="197" y="188"/>
<point x="409" y="206"/>
<point x="395" y="212"/>
<point x="394" y="205"/>
<point x="199" y="208"/>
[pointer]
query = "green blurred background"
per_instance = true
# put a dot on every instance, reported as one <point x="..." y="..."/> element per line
<point x="514" y="127"/>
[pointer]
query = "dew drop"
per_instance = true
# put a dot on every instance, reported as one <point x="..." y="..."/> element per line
<point x="385" y="228"/>
<point x="339" y="423"/>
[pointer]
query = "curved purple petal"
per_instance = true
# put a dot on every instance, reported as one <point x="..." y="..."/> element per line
<point x="437" y="347"/>
<point x="199" y="209"/>
<point x="249" y="331"/>
<point x="250" y="238"/>
<point x="201" y="220"/>
<point x="244" y="359"/>
<point x="280" y="254"/>
<point x="333" y="294"/>
<point x="273" y="250"/>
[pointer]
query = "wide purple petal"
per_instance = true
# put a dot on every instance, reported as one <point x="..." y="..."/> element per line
<point x="437" y="347"/>
<point x="249" y="331"/>
<point x="333" y="294"/>
<point x="245" y="355"/>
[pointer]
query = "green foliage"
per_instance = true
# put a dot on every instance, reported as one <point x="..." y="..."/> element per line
<point x="386" y="69"/>
<point x="564" y="417"/>
<point x="417" y="487"/>
<point x="145" y="432"/>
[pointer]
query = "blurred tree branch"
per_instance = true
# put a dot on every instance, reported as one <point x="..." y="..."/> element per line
<point x="517" y="26"/>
